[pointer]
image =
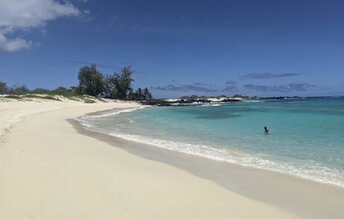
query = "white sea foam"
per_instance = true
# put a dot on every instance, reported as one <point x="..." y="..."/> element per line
<point x="315" y="173"/>
<point x="253" y="101"/>
<point x="186" y="104"/>
<point x="211" y="105"/>
<point x="112" y="113"/>
<point x="86" y="120"/>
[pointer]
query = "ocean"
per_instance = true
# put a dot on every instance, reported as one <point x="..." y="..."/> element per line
<point x="305" y="139"/>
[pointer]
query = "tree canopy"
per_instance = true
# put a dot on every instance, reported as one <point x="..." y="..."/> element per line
<point x="3" y="87"/>
<point x="91" y="82"/>
<point x="116" y="86"/>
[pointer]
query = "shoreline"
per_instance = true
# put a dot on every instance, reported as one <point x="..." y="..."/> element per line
<point x="301" y="197"/>
<point x="107" y="113"/>
<point x="49" y="170"/>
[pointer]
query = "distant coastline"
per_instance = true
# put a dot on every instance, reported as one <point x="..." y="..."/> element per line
<point x="187" y="100"/>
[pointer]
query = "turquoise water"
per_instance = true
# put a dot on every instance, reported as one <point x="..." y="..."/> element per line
<point x="306" y="136"/>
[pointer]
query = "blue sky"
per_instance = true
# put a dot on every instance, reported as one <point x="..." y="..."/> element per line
<point x="179" y="47"/>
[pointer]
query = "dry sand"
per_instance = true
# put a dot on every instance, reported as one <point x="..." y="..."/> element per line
<point x="49" y="170"/>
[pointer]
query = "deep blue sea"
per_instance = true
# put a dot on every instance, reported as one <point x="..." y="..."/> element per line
<point x="306" y="137"/>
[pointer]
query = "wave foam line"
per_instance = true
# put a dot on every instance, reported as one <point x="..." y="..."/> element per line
<point x="315" y="173"/>
<point x="83" y="120"/>
<point x="112" y="113"/>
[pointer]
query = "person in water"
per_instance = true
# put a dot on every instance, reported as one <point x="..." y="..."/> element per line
<point x="266" y="130"/>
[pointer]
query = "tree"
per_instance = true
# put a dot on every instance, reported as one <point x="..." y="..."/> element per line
<point x="72" y="91"/>
<point x="3" y="87"/>
<point x="60" y="91"/>
<point x="118" y="85"/>
<point x="147" y="94"/>
<point x="19" y="90"/>
<point x="91" y="82"/>
<point x="124" y="80"/>
<point x="110" y="83"/>
<point x="140" y="95"/>
<point x="40" y="90"/>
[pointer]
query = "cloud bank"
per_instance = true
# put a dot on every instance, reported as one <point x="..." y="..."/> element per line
<point x="196" y="87"/>
<point x="268" y="75"/>
<point x="22" y="15"/>
<point x="291" y="87"/>
<point x="231" y="87"/>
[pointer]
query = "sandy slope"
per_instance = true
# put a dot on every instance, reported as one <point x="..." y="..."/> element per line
<point x="48" y="170"/>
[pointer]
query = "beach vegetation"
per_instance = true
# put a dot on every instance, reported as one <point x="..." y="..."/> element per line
<point x="66" y="92"/>
<point x="19" y="90"/>
<point x="13" y="97"/>
<point x="46" y="97"/>
<point x="147" y="94"/>
<point x="89" y="101"/>
<point x="123" y="82"/>
<point x="92" y="87"/>
<point x="118" y="85"/>
<point x="40" y="90"/>
<point x="91" y="81"/>
<point x="140" y="94"/>
<point x="3" y="88"/>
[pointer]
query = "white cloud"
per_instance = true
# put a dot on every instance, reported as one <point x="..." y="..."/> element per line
<point x="12" y="45"/>
<point x="16" y="15"/>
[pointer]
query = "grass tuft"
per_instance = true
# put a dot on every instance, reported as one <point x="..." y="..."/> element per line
<point x="13" y="97"/>
<point x="48" y="97"/>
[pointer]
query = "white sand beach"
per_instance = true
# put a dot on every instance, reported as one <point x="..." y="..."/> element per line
<point x="171" y="109"/>
<point x="49" y="170"/>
